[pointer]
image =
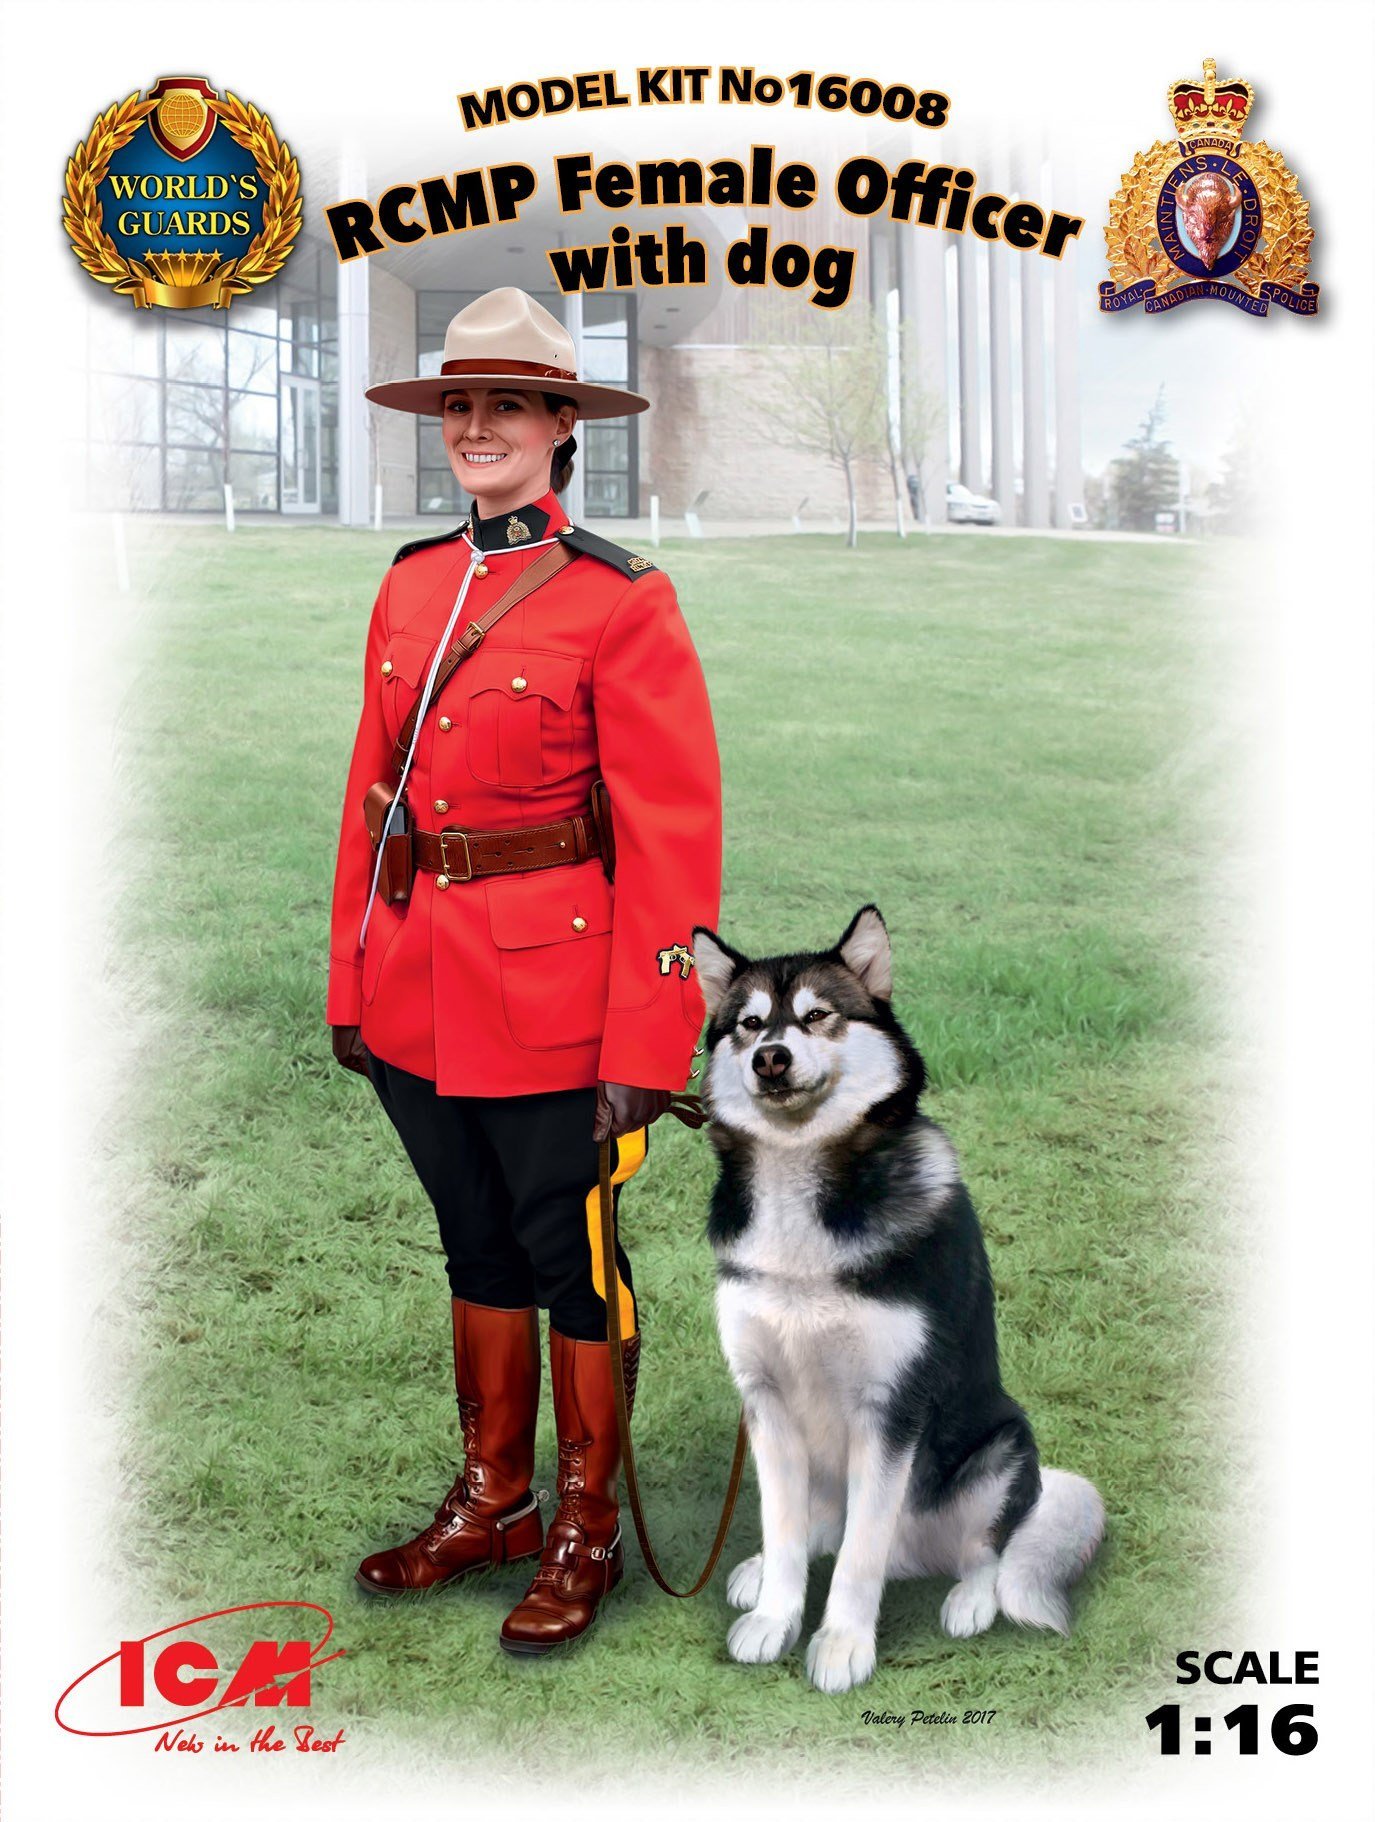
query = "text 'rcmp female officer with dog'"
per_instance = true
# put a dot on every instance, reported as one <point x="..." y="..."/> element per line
<point x="510" y="1002"/>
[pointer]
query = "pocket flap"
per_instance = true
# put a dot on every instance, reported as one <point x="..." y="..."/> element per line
<point x="520" y="674"/>
<point x="541" y="907"/>
<point x="408" y="656"/>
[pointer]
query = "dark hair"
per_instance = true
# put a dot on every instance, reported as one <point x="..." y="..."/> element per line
<point x="561" y="463"/>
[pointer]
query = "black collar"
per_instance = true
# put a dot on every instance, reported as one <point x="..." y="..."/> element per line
<point x="508" y="531"/>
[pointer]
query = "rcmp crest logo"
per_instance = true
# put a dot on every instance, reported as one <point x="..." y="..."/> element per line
<point x="1209" y="214"/>
<point x="181" y="197"/>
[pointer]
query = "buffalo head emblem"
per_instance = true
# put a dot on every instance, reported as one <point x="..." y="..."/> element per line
<point x="1208" y="207"/>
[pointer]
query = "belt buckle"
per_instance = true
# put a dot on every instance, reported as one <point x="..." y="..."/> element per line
<point x="460" y="835"/>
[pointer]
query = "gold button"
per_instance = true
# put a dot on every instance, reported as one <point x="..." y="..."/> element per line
<point x="442" y="883"/>
<point x="518" y="683"/>
<point x="445" y="724"/>
<point x="481" y="570"/>
<point x="565" y="531"/>
<point x="386" y="668"/>
<point x="440" y="805"/>
<point x="579" y="923"/>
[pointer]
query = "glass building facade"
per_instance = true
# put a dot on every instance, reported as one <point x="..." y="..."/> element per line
<point x="608" y="451"/>
<point x="184" y="403"/>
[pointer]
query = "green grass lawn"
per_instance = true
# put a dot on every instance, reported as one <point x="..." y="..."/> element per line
<point x="1009" y="746"/>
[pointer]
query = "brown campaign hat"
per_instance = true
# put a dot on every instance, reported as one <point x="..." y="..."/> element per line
<point x="505" y="339"/>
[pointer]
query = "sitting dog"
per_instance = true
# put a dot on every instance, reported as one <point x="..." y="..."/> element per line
<point x="855" y="1307"/>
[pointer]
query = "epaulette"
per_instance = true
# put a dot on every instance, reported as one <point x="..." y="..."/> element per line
<point x="444" y="537"/>
<point x="590" y="545"/>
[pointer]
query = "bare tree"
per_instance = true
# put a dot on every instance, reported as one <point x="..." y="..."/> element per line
<point x="827" y="394"/>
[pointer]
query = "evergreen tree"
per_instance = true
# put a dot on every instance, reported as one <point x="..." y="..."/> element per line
<point x="1144" y="479"/>
<point x="1233" y="495"/>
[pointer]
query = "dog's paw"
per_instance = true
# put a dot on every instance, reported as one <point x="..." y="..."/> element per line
<point x="838" y="1659"/>
<point x="970" y="1607"/>
<point x="742" y="1590"/>
<point x="762" y="1638"/>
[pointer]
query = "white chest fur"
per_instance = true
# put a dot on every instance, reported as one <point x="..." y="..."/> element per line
<point x="788" y="1318"/>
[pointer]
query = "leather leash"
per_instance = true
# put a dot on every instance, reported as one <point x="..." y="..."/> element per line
<point x="688" y="1108"/>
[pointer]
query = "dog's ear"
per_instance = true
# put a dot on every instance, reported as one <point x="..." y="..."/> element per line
<point x="717" y="965"/>
<point x="867" y="952"/>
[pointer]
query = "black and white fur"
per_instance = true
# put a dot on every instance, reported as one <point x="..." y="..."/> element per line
<point x="855" y="1307"/>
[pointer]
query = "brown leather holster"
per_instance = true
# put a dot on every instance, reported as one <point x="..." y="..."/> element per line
<point x="600" y="802"/>
<point x="398" y="864"/>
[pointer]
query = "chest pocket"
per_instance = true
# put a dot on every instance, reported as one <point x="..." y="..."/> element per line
<point x="520" y="717"/>
<point x="409" y="659"/>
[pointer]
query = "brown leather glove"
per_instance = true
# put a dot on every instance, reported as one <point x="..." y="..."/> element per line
<point x="621" y="1109"/>
<point x="349" y="1049"/>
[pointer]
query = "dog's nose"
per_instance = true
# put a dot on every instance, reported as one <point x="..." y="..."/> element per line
<point x="772" y="1060"/>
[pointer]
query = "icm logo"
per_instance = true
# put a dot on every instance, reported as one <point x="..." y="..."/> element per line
<point x="193" y="1669"/>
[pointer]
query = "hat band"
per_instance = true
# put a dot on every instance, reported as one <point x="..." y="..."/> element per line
<point x="531" y="368"/>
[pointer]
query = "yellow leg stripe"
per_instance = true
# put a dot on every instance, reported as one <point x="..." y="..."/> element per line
<point x="631" y="1147"/>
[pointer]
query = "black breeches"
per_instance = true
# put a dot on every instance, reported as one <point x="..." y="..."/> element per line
<point x="513" y="1180"/>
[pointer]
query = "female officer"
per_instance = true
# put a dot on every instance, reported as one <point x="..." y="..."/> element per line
<point x="517" y="1007"/>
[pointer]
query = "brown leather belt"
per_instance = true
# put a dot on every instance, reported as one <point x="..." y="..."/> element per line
<point x="464" y="854"/>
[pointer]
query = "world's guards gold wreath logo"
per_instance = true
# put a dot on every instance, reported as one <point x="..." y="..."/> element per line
<point x="182" y="197"/>
<point x="1209" y="214"/>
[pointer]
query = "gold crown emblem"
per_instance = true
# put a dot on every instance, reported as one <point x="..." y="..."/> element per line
<point x="1212" y="108"/>
<point x="183" y="271"/>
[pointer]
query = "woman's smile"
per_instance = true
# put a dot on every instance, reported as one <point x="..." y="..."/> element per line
<point x="515" y="432"/>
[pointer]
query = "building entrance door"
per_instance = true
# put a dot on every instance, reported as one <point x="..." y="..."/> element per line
<point x="300" y="444"/>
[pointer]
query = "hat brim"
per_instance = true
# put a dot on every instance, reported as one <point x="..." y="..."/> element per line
<point x="426" y="396"/>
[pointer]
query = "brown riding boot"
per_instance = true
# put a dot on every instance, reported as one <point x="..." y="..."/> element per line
<point x="489" y="1515"/>
<point x="583" y="1558"/>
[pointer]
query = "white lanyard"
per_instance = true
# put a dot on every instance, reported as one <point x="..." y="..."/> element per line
<point x="478" y="557"/>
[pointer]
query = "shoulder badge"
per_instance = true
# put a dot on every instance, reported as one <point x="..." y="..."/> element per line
<point x="590" y="545"/>
<point x="1206" y="214"/>
<point x="444" y="537"/>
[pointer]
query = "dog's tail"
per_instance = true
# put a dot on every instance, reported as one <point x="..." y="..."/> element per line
<point x="1049" y="1551"/>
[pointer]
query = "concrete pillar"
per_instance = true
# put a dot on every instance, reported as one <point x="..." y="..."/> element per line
<point x="971" y="421"/>
<point x="882" y="278"/>
<point x="1069" y="453"/>
<point x="1035" y="466"/>
<point x="354" y="477"/>
<point x="1000" y="376"/>
<point x="921" y="310"/>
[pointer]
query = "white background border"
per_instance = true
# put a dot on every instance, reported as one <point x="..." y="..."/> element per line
<point x="1104" y="69"/>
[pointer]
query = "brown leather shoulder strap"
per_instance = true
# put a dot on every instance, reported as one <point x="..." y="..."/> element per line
<point x="557" y="557"/>
<point x="687" y="1108"/>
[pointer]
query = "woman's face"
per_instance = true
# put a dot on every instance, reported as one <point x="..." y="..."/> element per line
<point x="500" y="444"/>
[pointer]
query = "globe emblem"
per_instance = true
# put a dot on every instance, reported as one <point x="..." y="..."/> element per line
<point x="181" y="115"/>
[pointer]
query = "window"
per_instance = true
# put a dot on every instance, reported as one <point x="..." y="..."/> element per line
<point x="183" y="403"/>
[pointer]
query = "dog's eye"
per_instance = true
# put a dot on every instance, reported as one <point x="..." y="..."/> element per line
<point x="752" y="1023"/>
<point x="817" y="1013"/>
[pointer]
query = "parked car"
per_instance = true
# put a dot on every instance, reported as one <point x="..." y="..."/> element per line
<point x="962" y="507"/>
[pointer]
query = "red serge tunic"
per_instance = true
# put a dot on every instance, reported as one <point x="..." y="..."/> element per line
<point x="553" y="979"/>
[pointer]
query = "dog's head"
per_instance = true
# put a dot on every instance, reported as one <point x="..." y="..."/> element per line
<point x="807" y="1044"/>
